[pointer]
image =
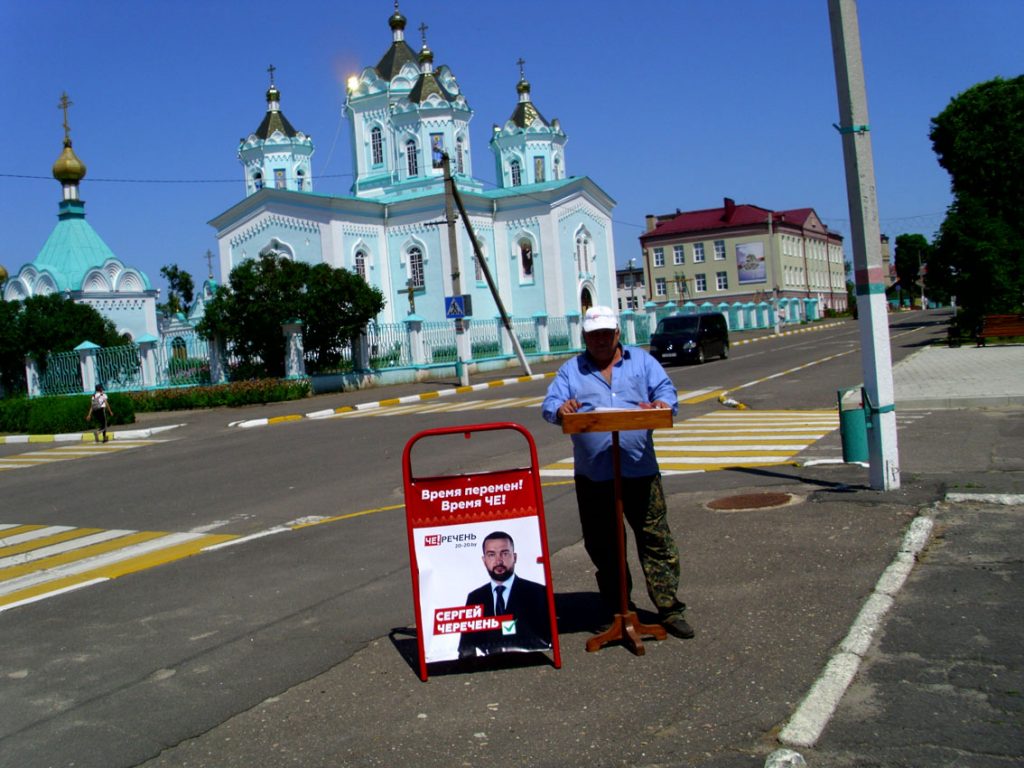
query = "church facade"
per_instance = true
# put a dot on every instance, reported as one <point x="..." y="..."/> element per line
<point x="546" y="236"/>
<point x="76" y="262"/>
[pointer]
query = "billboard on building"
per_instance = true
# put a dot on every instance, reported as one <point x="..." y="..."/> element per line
<point x="750" y="264"/>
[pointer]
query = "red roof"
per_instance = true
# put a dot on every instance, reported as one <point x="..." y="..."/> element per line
<point x="726" y="216"/>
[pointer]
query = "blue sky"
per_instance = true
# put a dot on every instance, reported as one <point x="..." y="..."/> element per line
<point x="666" y="104"/>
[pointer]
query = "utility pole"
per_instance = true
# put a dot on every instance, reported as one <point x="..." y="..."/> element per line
<point x="461" y="356"/>
<point x="452" y="194"/>
<point x="876" y="354"/>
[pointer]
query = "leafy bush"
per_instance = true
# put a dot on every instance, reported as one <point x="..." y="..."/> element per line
<point x="53" y="415"/>
<point x="233" y="394"/>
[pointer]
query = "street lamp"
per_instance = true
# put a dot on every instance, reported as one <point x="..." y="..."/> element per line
<point x="680" y="280"/>
<point x="632" y="283"/>
<point x="775" y="308"/>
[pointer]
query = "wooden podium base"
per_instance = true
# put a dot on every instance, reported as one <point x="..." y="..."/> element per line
<point x="627" y="628"/>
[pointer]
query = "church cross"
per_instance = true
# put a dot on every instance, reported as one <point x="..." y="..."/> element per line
<point x="423" y="33"/>
<point x="410" y="290"/>
<point x="209" y="262"/>
<point x="521" y="62"/>
<point x="271" y="69"/>
<point x="65" y="102"/>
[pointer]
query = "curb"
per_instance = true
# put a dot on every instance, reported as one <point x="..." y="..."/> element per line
<point x="84" y="437"/>
<point x="388" y="402"/>
<point x="814" y="712"/>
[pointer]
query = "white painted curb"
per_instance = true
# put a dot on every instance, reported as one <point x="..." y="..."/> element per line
<point x="809" y="721"/>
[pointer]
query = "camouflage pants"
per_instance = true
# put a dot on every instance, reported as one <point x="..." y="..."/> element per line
<point x="643" y="505"/>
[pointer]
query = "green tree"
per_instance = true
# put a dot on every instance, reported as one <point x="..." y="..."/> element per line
<point x="979" y="254"/>
<point x="12" y="355"/>
<point x="40" y="325"/>
<point x="333" y="304"/>
<point x="911" y="254"/>
<point x="180" y="289"/>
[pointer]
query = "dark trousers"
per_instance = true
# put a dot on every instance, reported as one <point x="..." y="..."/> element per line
<point x="643" y="506"/>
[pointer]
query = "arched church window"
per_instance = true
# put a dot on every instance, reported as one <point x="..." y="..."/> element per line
<point x="557" y="168"/>
<point x="526" y="259"/>
<point x="300" y="179"/>
<point x="257" y="180"/>
<point x="416" y="266"/>
<point x="516" y="172"/>
<point x="376" y="146"/>
<point x="360" y="264"/>
<point x="459" y="166"/>
<point x="411" y="160"/>
<point x="582" y="252"/>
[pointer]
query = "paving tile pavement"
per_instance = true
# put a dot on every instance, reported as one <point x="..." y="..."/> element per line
<point x="960" y="377"/>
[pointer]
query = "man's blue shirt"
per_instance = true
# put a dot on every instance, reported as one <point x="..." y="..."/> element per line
<point x="636" y="378"/>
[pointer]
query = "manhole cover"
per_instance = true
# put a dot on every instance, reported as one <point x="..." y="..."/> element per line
<point x="751" y="501"/>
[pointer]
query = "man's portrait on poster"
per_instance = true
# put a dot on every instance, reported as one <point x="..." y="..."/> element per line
<point x="520" y="605"/>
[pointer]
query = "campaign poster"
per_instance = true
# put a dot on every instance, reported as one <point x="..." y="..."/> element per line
<point x="460" y="567"/>
<point x="750" y="264"/>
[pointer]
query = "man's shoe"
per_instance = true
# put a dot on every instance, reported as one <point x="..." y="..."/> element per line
<point x="677" y="626"/>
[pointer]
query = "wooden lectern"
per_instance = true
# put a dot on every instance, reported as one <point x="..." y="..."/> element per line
<point x="626" y="626"/>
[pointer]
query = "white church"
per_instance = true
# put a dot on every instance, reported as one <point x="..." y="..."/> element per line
<point x="546" y="236"/>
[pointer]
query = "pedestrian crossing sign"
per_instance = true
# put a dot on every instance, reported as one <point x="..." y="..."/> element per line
<point x="454" y="307"/>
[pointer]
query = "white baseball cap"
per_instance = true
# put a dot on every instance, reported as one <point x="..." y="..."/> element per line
<point x="600" y="319"/>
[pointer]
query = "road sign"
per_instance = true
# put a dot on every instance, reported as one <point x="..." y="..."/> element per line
<point x="454" y="307"/>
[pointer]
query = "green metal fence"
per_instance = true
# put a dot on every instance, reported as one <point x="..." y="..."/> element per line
<point x="63" y="375"/>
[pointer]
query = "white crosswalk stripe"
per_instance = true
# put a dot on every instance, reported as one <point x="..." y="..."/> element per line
<point x="39" y="561"/>
<point x="730" y="439"/>
<point x="438" y="406"/>
<point x="81" y="450"/>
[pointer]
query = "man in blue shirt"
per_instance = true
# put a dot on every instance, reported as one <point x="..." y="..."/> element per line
<point x="609" y="375"/>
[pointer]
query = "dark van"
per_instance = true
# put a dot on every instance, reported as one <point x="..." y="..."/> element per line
<point x="690" y="338"/>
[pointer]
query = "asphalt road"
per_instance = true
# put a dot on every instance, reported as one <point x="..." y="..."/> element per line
<point x="112" y="674"/>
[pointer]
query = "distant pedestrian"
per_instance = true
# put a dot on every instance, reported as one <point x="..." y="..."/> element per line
<point x="99" y="409"/>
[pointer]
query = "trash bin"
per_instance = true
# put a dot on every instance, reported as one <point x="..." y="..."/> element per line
<point x="853" y="426"/>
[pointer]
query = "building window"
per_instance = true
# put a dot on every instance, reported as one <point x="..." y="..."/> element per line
<point x="659" y="257"/>
<point x="280" y="180"/>
<point x="558" y="167"/>
<point x="516" y="173"/>
<point x="660" y="287"/>
<point x="477" y="267"/>
<point x="416" y="267"/>
<point x="700" y="283"/>
<point x="525" y="260"/>
<point x="361" y="264"/>
<point x="376" y="146"/>
<point x="411" y="160"/>
<point x="459" y="166"/>
<point x="722" y="281"/>
<point x="719" y="250"/>
<point x="679" y="254"/>
<point x="538" y="169"/>
<point x="437" y="150"/>
<point x="698" y="253"/>
<point x="300" y="180"/>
